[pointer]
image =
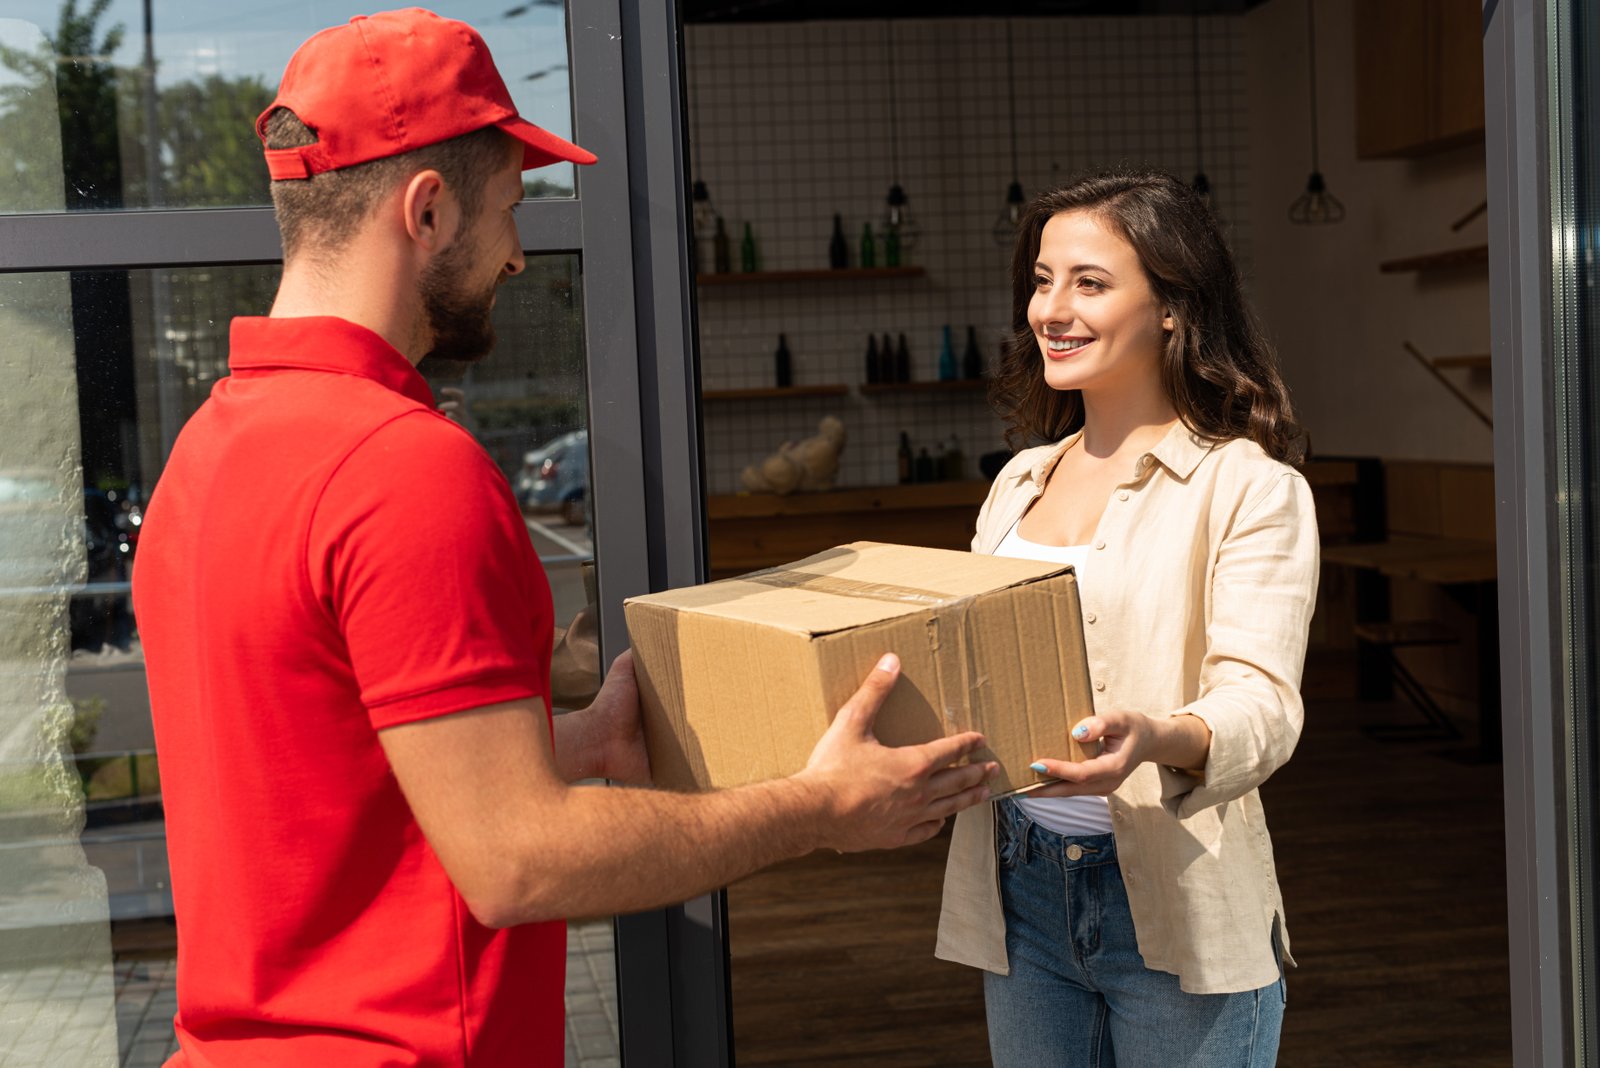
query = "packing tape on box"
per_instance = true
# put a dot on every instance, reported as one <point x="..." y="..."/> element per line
<point x="949" y="618"/>
<point x="843" y="587"/>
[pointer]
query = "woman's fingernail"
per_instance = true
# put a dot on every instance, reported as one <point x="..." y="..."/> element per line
<point x="1037" y="767"/>
<point x="889" y="662"/>
<point x="1081" y="731"/>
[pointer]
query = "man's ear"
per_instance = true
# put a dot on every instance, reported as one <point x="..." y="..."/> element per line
<point x="431" y="212"/>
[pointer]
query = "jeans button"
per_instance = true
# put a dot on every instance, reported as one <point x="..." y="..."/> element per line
<point x="1074" y="851"/>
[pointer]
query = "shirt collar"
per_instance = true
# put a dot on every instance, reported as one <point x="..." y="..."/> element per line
<point x="323" y="343"/>
<point x="1180" y="452"/>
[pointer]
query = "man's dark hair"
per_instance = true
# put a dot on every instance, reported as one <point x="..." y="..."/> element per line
<point x="322" y="212"/>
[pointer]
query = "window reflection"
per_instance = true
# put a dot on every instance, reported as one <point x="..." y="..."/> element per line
<point x="83" y="84"/>
<point x="98" y="373"/>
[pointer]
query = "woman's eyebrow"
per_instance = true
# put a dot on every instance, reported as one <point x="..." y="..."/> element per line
<point x="1090" y="268"/>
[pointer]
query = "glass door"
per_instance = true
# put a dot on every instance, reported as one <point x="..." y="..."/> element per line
<point x="133" y="227"/>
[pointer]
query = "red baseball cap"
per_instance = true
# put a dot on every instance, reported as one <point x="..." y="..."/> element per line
<point x="396" y="81"/>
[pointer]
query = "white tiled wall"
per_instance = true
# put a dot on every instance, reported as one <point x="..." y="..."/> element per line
<point x="790" y="123"/>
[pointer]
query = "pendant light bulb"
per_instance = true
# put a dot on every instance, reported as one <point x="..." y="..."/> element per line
<point x="1316" y="206"/>
<point x="1004" y="230"/>
<point x="705" y="225"/>
<point x="897" y="221"/>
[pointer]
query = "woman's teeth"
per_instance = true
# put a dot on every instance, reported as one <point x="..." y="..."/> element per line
<point x="1068" y="344"/>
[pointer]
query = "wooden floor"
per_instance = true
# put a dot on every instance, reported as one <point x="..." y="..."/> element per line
<point x="1392" y="864"/>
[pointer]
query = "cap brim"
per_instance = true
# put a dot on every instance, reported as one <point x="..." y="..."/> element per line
<point x="541" y="147"/>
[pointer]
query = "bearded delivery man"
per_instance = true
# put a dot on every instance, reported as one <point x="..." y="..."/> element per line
<point x="372" y="835"/>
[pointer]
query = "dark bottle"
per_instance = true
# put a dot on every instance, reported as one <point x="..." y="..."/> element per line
<point x="838" y="251"/>
<point x="747" y="251"/>
<point x="972" y="359"/>
<point x="954" y="463"/>
<point x="721" y="261"/>
<point x="924" y="472"/>
<point x="874" y="365"/>
<point x="902" y="362"/>
<point x="891" y="246"/>
<point x="869" y="247"/>
<point x="947" y="357"/>
<point x="904" y="458"/>
<point x="785" y="364"/>
<point x="886" y="360"/>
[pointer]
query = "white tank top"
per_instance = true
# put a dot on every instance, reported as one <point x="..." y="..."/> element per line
<point x="1063" y="815"/>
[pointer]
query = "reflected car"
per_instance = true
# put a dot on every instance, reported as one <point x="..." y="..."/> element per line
<point x="555" y="477"/>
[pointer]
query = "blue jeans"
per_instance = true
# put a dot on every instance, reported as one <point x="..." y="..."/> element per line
<point x="1079" y="994"/>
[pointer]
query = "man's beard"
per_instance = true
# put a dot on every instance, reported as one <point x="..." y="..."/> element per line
<point x="463" y="329"/>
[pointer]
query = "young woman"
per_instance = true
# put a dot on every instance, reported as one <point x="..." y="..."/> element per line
<point x="1129" y="913"/>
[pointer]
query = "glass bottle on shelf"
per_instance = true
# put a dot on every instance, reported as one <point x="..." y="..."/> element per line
<point x="886" y="360"/>
<point x="954" y="468"/>
<point x="874" y="365"/>
<point x="924" y="471"/>
<point x="747" y="251"/>
<point x="838" y="250"/>
<point x="903" y="458"/>
<point x="902" y="362"/>
<point x="891" y="247"/>
<point x="720" y="258"/>
<point x="785" y="363"/>
<point x="972" y="359"/>
<point x="947" y="357"/>
<point x="869" y="247"/>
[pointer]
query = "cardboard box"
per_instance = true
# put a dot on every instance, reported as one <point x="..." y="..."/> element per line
<point x="739" y="678"/>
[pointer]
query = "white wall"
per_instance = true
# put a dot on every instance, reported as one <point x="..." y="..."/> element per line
<point x="1337" y="321"/>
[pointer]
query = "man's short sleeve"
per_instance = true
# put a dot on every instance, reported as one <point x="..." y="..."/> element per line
<point x="420" y="558"/>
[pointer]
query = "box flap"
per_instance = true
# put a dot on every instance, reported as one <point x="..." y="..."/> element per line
<point x="853" y="585"/>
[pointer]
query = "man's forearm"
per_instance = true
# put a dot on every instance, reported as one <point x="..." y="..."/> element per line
<point x="625" y="850"/>
<point x="579" y="745"/>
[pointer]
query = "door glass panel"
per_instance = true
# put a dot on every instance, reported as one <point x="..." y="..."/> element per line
<point x="80" y="90"/>
<point x="98" y="372"/>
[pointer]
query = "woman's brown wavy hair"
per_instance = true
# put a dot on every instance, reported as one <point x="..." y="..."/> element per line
<point x="1219" y="369"/>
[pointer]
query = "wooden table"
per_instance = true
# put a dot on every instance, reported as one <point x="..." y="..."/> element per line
<point x="1467" y="569"/>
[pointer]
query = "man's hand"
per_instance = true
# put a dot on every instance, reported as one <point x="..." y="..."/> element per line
<point x="879" y="797"/>
<point x="1127" y="739"/>
<point x="621" y="731"/>
<point x="605" y="740"/>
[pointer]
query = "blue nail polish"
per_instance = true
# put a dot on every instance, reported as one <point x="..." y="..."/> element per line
<point x="1081" y="731"/>
<point x="1037" y="767"/>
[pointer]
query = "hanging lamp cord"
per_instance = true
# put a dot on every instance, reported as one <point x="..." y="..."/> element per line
<point x="894" y="123"/>
<point x="1311" y="49"/>
<point x="1011" y="96"/>
<point x="1194" y="37"/>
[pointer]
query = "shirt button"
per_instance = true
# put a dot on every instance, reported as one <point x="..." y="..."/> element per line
<point x="1074" y="852"/>
<point x="1089" y="617"/>
<point x="1100" y="687"/>
<point x="1099" y="544"/>
<point x="1122" y="495"/>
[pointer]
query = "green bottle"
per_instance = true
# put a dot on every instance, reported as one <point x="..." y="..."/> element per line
<point x="869" y="247"/>
<point x="747" y="251"/>
<point x="891" y="246"/>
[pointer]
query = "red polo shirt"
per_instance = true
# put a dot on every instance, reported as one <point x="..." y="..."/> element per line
<point x="324" y="556"/>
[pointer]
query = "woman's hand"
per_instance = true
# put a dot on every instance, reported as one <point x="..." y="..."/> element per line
<point x="1127" y="739"/>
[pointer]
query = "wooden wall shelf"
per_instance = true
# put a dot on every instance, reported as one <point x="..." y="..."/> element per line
<point x="841" y="274"/>
<point x="1452" y="259"/>
<point x="955" y="385"/>
<point x="775" y="392"/>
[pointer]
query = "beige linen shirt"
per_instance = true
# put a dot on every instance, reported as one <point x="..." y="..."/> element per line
<point x="1204" y="575"/>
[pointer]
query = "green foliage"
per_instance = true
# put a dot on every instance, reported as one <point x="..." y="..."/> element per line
<point x="86" y="714"/>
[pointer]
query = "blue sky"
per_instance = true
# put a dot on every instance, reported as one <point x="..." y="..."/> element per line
<point x="195" y="38"/>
